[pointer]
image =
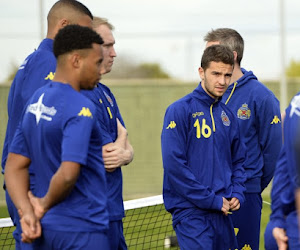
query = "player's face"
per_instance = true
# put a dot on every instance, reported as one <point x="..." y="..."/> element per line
<point x="216" y="78"/>
<point x="91" y="65"/>
<point x="108" y="49"/>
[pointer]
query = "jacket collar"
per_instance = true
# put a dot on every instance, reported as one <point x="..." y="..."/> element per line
<point x="200" y="94"/>
<point x="47" y="44"/>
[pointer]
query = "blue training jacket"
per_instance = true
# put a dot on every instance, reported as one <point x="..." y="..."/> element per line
<point x="258" y="113"/>
<point x="107" y="112"/>
<point x="280" y="183"/>
<point x="202" y="154"/>
<point x="37" y="70"/>
<point x="287" y="209"/>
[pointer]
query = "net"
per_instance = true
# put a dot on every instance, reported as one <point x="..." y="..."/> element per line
<point x="6" y="229"/>
<point x="147" y="225"/>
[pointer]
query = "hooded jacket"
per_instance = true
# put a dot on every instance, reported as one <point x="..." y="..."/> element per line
<point x="258" y="113"/>
<point x="202" y="154"/>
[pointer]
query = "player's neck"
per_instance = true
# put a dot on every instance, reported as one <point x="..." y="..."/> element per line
<point x="66" y="78"/>
<point x="236" y="74"/>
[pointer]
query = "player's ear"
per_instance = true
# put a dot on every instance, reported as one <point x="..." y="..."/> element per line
<point x="201" y="72"/>
<point x="235" y="55"/>
<point x="63" y="22"/>
<point x="75" y="60"/>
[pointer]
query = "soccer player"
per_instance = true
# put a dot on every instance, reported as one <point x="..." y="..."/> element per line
<point x="277" y="217"/>
<point x="117" y="151"/>
<point x="203" y="159"/>
<point x="287" y="197"/>
<point x="59" y="137"/>
<point x="36" y="71"/>
<point x="258" y="113"/>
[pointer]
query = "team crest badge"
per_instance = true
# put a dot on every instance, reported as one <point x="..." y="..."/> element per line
<point x="244" y="112"/>
<point x="108" y="99"/>
<point x="225" y="119"/>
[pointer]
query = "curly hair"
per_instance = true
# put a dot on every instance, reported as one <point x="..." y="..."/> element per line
<point x="74" y="37"/>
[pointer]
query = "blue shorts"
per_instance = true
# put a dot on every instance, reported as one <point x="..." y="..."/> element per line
<point x="270" y="242"/>
<point x="57" y="240"/>
<point x="115" y="235"/>
<point x="211" y="230"/>
<point x="247" y="220"/>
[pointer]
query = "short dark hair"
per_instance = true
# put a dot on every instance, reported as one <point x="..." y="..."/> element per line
<point x="217" y="53"/>
<point x="72" y="4"/>
<point x="74" y="37"/>
<point x="228" y="37"/>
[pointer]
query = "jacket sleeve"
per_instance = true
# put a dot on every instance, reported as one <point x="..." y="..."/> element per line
<point x="280" y="183"/>
<point x="270" y="136"/>
<point x="238" y="155"/>
<point x="176" y="167"/>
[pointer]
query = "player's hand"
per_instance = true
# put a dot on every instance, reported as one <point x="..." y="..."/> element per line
<point x="37" y="205"/>
<point x="281" y="238"/>
<point x="113" y="156"/>
<point x="31" y="227"/>
<point x="234" y="204"/>
<point x="225" y="207"/>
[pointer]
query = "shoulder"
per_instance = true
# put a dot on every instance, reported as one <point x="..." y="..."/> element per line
<point x="181" y="104"/>
<point x="75" y="102"/>
<point x="259" y="91"/>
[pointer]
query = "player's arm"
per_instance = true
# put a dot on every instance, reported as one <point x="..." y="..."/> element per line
<point x="17" y="184"/>
<point x="280" y="183"/>
<point x="270" y="137"/>
<point x="238" y="155"/>
<point x="118" y="153"/>
<point x="61" y="184"/>
<point x="176" y="169"/>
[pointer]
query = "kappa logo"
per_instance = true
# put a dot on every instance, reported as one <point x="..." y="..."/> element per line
<point x="275" y="120"/>
<point x="225" y="119"/>
<point x="295" y="106"/>
<point x="50" y="76"/>
<point x="85" y="112"/>
<point x="244" y="112"/>
<point x="40" y="110"/>
<point x="246" y="247"/>
<point x="171" y="125"/>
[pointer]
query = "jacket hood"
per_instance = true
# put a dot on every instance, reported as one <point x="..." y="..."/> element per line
<point x="248" y="75"/>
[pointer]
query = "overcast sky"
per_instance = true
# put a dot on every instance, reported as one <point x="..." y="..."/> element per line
<point x="169" y="32"/>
